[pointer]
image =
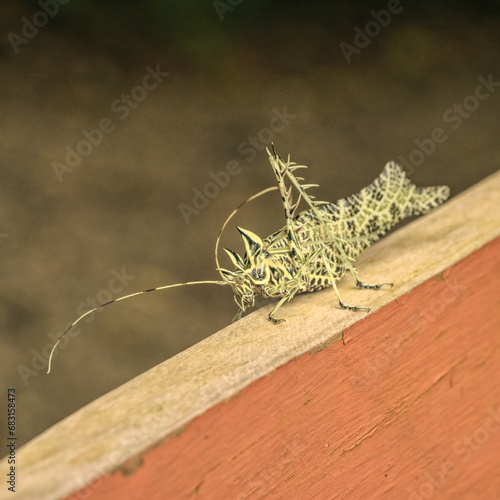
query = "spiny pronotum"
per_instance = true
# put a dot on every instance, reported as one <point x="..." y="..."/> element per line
<point x="316" y="246"/>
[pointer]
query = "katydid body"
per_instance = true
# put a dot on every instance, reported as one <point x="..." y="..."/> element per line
<point x="317" y="246"/>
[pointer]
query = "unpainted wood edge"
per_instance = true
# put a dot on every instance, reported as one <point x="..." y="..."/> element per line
<point x="116" y="429"/>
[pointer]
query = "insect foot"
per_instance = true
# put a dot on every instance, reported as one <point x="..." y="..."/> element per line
<point x="353" y="308"/>
<point x="276" y="321"/>
<point x="373" y="287"/>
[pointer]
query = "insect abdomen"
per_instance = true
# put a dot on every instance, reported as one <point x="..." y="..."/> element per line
<point x="363" y="218"/>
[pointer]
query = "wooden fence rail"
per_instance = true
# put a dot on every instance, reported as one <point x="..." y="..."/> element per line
<point x="401" y="403"/>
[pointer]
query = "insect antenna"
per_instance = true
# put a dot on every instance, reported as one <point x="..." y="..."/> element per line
<point x="224" y="282"/>
<point x="100" y="306"/>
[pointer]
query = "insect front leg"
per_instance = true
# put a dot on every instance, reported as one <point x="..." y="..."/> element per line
<point x="237" y="316"/>
<point x="287" y="290"/>
<point x="275" y="308"/>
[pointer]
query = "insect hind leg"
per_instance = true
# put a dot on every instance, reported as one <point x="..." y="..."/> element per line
<point x="344" y="306"/>
<point x="335" y="289"/>
<point x="360" y="284"/>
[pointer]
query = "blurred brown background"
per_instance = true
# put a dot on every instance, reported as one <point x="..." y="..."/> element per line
<point x="62" y="238"/>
